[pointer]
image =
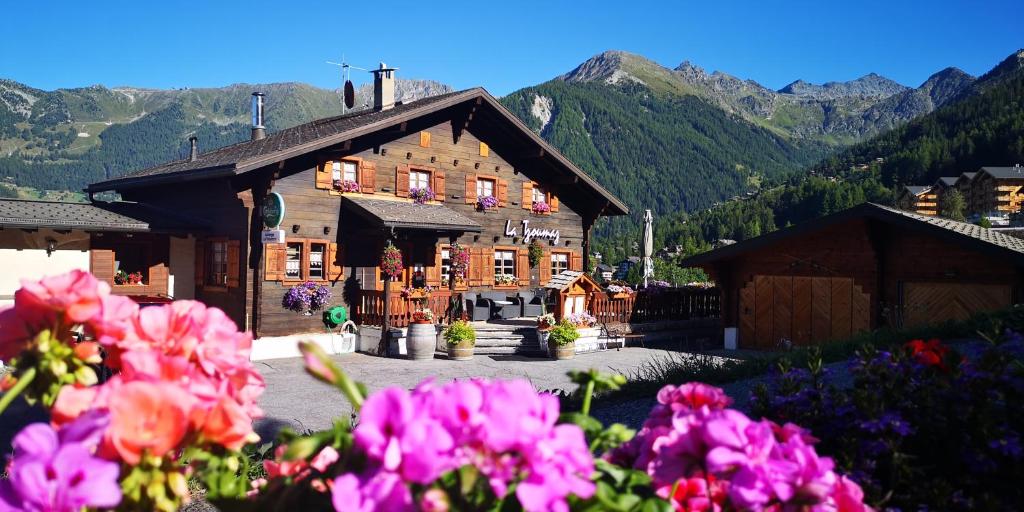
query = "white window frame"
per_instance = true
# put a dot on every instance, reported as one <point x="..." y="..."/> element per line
<point x="446" y="265"/>
<point x="293" y="267"/>
<point x="559" y="262"/>
<point x="317" y="266"/>
<point x="350" y="170"/>
<point x="485" y="191"/>
<point x="539" y="196"/>
<point x="419" y="179"/>
<point x="504" y="260"/>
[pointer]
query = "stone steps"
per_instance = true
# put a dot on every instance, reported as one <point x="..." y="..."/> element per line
<point x="505" y="339"/>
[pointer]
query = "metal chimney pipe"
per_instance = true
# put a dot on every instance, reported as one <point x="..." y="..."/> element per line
<point x="193" y="153"/>
<point x="258" y="130"/>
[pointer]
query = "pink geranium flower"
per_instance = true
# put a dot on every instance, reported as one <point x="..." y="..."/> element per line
<point x="146" y="417"/>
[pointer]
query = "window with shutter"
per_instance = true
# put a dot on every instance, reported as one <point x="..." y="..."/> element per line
<point x="273" y="262"/>
<point x="234" y="267"/>
<point x="545" y="268"/>
<point x="324" y="175"/>
<point x="502" y="192"/>
<point x="471" y="188"/>
<point x="485" y="150"/>
<point x="527" y="196"/>
<point x="439" y="185"/>
<point x="523" y="266"/>
<point x="553" y="203"/>
<point x="424" y="139"/>
<point x="575" y="262"/>
<point x="367" y="176"/>
<point x="335" y="268"/>
<point x="402" y="180"/>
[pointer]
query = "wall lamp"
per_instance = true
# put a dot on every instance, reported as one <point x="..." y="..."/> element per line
<point x="295" y="228"/>
<point x="327" y="230"/>
<point x="51" y="245"/>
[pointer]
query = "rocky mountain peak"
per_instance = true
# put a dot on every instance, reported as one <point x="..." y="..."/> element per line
<point x="869" y="85"/>
<point x="614" y="66"/>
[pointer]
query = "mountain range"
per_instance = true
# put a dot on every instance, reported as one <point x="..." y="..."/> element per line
<point x="660" y="138"/>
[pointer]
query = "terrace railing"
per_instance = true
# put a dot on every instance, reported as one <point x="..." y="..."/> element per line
<point x="662" y="305"/>
<point x="369" y="308"/>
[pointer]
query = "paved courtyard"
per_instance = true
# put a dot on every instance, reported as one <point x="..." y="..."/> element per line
<point x="296" y="399"/>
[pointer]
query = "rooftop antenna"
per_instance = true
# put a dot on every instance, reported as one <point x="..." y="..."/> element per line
<point x="349" y="98"/>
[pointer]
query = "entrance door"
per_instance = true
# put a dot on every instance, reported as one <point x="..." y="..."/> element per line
<point x="925" y="303"/>
<point x="802" y="310"/>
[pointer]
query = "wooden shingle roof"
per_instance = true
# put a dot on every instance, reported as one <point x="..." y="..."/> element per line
<point x="302" y="139"/>
<point x="97" y="216"/>
<point x="407" y="215"/>
<point x="970" y="235"/>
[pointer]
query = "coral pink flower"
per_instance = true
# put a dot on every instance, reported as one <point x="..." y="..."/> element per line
<point x="323" y="460"/>
<point x="89" y="352"/>
<point x="147" y="417"/>
<point x="71" y="402"/>
<point x="280" y="467"/>
<point x="74" y="298"/>
<point x="228" y="425"/>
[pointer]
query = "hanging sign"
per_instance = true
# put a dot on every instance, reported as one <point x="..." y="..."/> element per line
<point x="272" y="236"/>
<point x="273" y="210"/>
<point x="530" y="234"/>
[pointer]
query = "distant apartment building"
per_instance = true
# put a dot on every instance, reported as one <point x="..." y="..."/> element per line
<point x="920" y="199"/>
<point x="988" y="192"/>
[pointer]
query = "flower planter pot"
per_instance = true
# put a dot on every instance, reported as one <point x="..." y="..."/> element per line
<point x="562" y="352"/>
<point x="461" y="352"/>
<point x="421" y="340"/>
<point x="618" y="295"/>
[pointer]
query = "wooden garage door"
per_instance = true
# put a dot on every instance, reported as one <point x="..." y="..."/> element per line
<point x="925" y="303"/>
<point x="804" y="310"/>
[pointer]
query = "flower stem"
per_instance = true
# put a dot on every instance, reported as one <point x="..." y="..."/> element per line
<point x="588" y="394"/>
<point x="351" y="391"/>
<point x="24" y="380"/>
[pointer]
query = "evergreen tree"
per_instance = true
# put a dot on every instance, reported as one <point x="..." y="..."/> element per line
<point x="952" y="205"/>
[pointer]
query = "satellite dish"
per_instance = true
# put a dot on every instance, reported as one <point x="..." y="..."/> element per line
<point x="350" y="94"/>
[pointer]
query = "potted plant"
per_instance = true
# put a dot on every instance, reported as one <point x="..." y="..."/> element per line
<point x="417" y="293"/>
<point x="581" y="319"/>
<point x="540" y="208"/>
<point x="421" y="337"/>
<point x="460" y="338"/>
<point x="535" y="254"/>
<point x="506" y="280"/>
<point x="391" y="261"/>
<point x="421" y="195"/>
<point x="306" y="298"/>
<point x="619" y="291"/>
<point x="546" y="321"/>
<point x="486" y="203"/>
<point x="346" y="186"/>
<point x="122" y="277"/>
<point x="562" y="340"/>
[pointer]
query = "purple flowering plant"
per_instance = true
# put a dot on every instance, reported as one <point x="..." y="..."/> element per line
<point x="906" y="427"/>
<point x="306" y="297"/>
<point x="421" y="195"/>
<point x="486" y="203"/>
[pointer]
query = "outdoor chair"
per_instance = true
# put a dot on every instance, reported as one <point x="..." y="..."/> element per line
<point x="501" y="306"/>
<point x="531" y="303"/>
<point x="477" y="309"/>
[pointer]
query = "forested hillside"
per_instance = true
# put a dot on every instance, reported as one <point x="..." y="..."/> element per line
<point x="986" y="128"/>
<point x="667" y="153"/>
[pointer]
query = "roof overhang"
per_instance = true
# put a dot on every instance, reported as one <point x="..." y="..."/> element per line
<point x="401" y="215"/>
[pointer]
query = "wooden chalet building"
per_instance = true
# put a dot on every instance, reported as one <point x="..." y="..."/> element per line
<point x="858" y="269"/>
<point x="919" y="199"/>
<point x="346" y="184"/>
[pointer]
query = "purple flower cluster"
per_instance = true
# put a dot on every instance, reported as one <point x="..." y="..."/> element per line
<point x="486" y="202"/>
<point x="540" y="207"/>
<point x="346" y="185"/>
<point x="702" y="455"/>
<point x="504" y="429"/>
<point x="421" y="195"/>
<point x="58" y="471"/>
<point x="308" y="296"/>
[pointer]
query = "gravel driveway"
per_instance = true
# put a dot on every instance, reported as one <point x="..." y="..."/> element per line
<point x="294" y="399"/>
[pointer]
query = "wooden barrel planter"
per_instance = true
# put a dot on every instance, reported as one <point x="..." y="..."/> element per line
<point x="562" y="352"/>
<point x="461" y="352"/>
<point x="421" y="341"/>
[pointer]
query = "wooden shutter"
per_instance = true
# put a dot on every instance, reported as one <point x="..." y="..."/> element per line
<point x="200" y="259"/>
<point x="367" y="176"/>
<point x="523" y="266"/>
<point x="487" y="266"/>
<point x="545" y="267"/>
<point x="402" y="180"/>
<point x="527" y="196"/>
<point x="335" y="268"/>
<point x="234" y="263"/>
<point x="424" y="139"/>
<point x="439" y="185"/>
<point x="434" y="271"/>
<point x="553" y="203"/>
<point x="273" y="262"/>
<point x="323" y="176"/>
<point x="484" y="149"/>
<point x="502" y="192"/>
<point x="476" y="267"/>
<point x="101" y="264"/>
<point x="470" y="188"/>
<point x="575" y="261"/>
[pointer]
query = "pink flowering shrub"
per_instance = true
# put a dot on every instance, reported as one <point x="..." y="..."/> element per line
<point x="184" y="396"/>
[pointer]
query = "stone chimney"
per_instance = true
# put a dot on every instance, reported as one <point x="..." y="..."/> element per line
<point x="258" y="130"/>
<point x="383" y="87"/>
<point x="193" y="153"/>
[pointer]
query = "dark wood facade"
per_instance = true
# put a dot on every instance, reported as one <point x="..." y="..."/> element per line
<point x="858" y="272"/>
<point x="457" y="146"/>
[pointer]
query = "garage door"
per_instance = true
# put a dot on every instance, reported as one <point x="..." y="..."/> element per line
<point x="925" y="303"/>
<point x="804" y="310"/>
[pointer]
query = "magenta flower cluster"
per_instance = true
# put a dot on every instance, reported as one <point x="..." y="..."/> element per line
<point x="702" y="455"/>
<point x="421" y="195"/>
<point x="505" y="429"/>
<point x="58" y="470"/>
<point x="486" y="202"/>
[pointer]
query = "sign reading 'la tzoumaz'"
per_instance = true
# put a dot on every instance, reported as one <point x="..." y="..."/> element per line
<point x="530" y="234"/>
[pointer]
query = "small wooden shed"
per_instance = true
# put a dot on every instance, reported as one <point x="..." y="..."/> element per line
<point x="573" y="290"/>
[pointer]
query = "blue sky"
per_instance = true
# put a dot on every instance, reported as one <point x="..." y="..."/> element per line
<point x="501" y="46"/>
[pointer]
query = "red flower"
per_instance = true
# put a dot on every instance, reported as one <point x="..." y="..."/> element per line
<point x="928" y="353"/>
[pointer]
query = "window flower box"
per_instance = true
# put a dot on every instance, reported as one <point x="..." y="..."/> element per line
<point x="540" y="208"/>
<point x="421" y="195"/>
<point x="486" y="203"/>
<point x="346" y="186"/>
<point x="506" y="280"/>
